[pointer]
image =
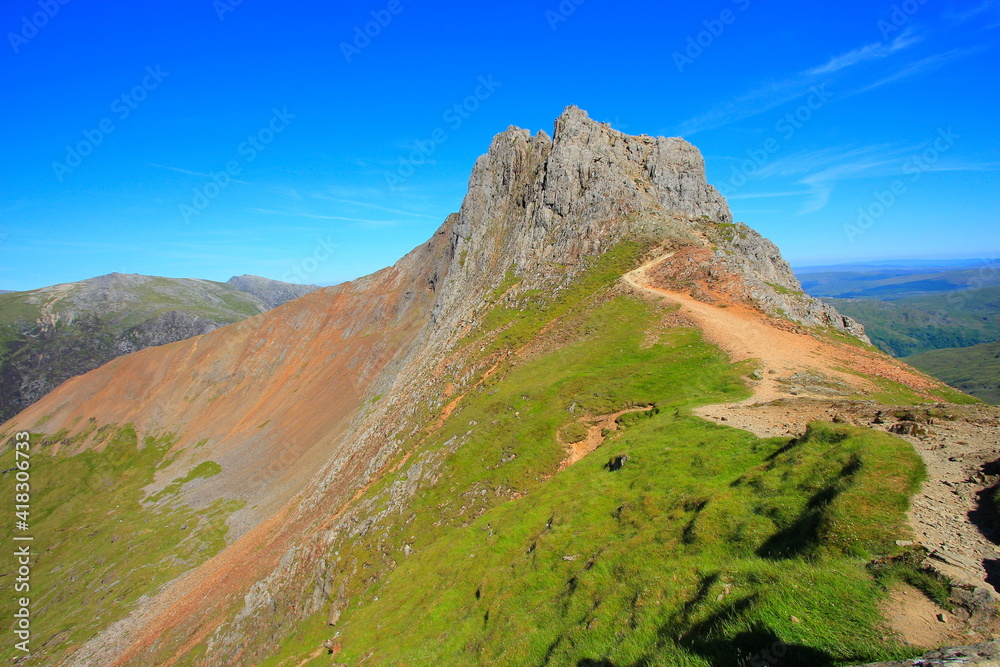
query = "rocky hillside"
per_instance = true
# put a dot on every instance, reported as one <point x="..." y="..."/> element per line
<point x="486" y="454"/>
<point x="52" y="334"/>
<point x="272" y="293"/>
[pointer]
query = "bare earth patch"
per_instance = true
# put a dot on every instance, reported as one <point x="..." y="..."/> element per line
<point x="597" y="430"/>
<point x="915" y="618"/>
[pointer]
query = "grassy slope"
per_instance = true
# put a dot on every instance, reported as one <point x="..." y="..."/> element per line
<point x="975" y="370"/>
<point x="98" y="545"/>
<point x="699" y="551"/>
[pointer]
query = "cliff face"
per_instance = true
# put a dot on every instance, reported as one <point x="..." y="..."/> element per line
<point x="304" y="406"/>
<point x="540" y="205"/>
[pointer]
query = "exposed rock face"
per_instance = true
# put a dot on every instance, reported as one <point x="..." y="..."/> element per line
<point x="305" y="405"/>
<point x="739" y="265"/>
<point x="539" y="204"/>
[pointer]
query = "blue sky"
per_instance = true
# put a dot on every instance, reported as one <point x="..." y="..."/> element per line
<point x="203" y="138"/>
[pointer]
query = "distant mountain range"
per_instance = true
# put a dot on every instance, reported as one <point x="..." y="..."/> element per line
<point x="896" y="282"/>
<point x="51" y="334"/>
<point x="892" y="264"/>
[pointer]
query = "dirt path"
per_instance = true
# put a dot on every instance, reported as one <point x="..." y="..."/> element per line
<point x="596" y="434"/>
<point x="946" y="516"/>
<point x="747" y="334"/>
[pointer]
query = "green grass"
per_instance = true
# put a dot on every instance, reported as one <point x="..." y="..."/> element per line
<point x="975" y="370"/>
<point x="98" y="546"/>
<point x="203" y="470"/>
<point x="699" y="551"/>
<point x="517" y="324"/>
<point x="907" y="568"/>
<point x="575" y="432"/>
<point x="92" y="336"/>
<point x="781" y="289"/>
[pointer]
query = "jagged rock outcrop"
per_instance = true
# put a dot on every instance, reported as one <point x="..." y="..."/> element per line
<point x="537" y="205"/>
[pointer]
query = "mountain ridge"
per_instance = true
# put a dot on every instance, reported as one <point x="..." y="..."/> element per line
<point x="385" y="362"/>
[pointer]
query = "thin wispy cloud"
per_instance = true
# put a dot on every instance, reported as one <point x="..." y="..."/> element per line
<point x="165" y="249"/>
<point x="777" y="93"/>
<point x="864" y="54"/>
<point x="821" y="171"/>
<point x="317" y="216"/>
<point x="189" y="172"/>
<point x="291" y="193"/>
<point x="767" y="195"/>
<point x="376" y="207"/>
<point x="922" y="66"/>
<point x="971" y="13"/>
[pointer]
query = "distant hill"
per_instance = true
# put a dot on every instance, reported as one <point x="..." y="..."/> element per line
<point x="947" y="313"/>
<point x="51" y="334"/>
<point x="975" y="370"/>
<point x="912" y="325"/>
<point x="891" y="264"/>
<point x="896" y="282"/>
<point x="272" y="293"/>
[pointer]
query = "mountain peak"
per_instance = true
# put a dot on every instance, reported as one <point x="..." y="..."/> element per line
<point x="536" y="204"/>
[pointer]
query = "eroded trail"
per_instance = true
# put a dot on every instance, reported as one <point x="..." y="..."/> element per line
<point x="597" y="433"/>
<point x="746" y="333"/>
<point x="956" y="451"/>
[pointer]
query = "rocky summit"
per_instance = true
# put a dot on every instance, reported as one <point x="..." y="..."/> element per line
<point x="490" y="453"/>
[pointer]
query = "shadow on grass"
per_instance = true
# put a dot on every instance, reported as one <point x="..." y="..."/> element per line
<point x="986" y="515"/>
<point x="758" y="647"/>
<point x="798" y="538"/>
<point x="710" y="639"/>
